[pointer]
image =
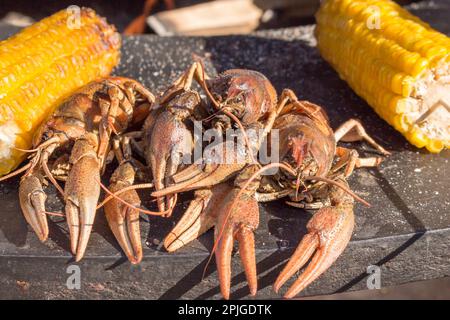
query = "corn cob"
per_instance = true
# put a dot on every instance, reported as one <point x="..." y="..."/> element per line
<point x="42" y="65"/>
<point x="401" y="66"/>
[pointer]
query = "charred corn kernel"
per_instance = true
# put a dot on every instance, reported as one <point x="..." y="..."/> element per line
<point x="400" y="66"/>
<point x="43" y="64"/>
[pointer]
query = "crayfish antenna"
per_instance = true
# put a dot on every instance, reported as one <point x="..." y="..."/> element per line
<point x="339" y="185"/>
<point x="112" y="194"/>
<point x="55" y="214"/>
<point x="16" y="172"/>
<point x="115" y="196"/>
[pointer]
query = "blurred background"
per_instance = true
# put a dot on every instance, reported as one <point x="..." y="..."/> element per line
<point x="176" y="17"/>
<point x="205" y="18"/>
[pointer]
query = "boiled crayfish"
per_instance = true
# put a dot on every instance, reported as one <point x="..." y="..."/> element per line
<point x="76" y="137"/>
<point x="312" y="172"/>
<point x="228" y="179"/>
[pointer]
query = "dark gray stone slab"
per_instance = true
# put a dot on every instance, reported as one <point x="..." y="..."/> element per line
<point x="406" y="231"/>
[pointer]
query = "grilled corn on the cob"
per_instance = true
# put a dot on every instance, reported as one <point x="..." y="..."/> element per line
<point x="395" y="61"/>
<point x="43" y="64"/>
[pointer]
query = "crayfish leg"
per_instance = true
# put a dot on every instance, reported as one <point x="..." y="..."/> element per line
<point x="352" y="130"/>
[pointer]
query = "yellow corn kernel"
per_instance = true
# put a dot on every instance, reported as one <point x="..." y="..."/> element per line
<point x="435" y="146"/>
<point x="417" y="138"/>
<point x="391" y="66"/>
<point x="43" y="64"/>
<point x="416" y="64"/>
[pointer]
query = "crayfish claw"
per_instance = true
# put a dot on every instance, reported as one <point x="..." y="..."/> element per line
<point x="238" y="217"/>
<point x="125" y="227"/>
<point x="80" y="218"/>
<point x="199" y="217"/>
<point x="124" y="220"/>
<point x="302" y="254"/>
<point x="82" y="191"/>
<point x="329" y="232"/>
<point x="192" y="224"/>
<point x="32" y="201"/>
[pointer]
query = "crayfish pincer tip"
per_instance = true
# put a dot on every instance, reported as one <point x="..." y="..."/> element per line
<point x="223" y="261"/>
<point x="282" y="278"/>
<point x="135" y="260"/>
<point x="174" y="245"/>
<point x="292" y="292"/>
<point x="43" y="236"/>
<point x="168" y="240"/>
<point x="32" y="202"/>
<point x="136" y="257"/>
<point x="246" y="241"/>
<point x="41" y="229"/>
<point x="42" y="232"/>
<point x="276" y="287"/>
<point x="225" y="294"/>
